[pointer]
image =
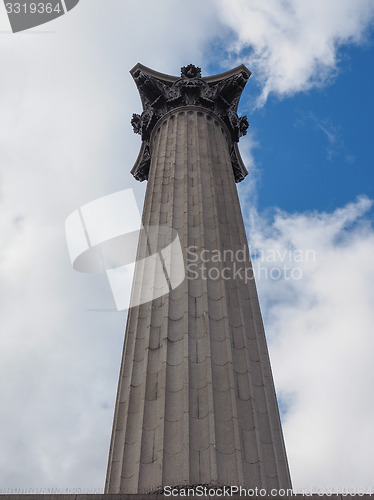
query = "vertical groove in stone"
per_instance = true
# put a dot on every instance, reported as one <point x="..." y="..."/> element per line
<point x="196" y="328"/>
<point x="196" y="401"/>
<point x="245" y="344"/>
<point x="128" y="385"/>
<point x="151" y="458"/>
<point x="183" y="293"/>
<point x="129" y="373"/>
<point x="229" y="240"/>
<point x="140" y="383"/>
<point x="218" y="327"/>
<point x="176" y="434"/>
<point x="202" y="453"/>
<point x="228" y="235"/>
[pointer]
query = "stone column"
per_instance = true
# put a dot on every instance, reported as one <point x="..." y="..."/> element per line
<point x="196" y="403"/>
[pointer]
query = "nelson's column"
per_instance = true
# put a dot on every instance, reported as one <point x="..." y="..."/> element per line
<point x="196" y="403"/>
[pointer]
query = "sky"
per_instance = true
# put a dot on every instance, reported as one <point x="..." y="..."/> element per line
<point x="66" y="100"/>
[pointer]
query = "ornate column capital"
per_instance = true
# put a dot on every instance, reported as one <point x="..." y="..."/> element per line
<point x="161" y="93"/>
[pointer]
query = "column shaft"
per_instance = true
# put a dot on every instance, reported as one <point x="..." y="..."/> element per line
<point x="196" y="401"/>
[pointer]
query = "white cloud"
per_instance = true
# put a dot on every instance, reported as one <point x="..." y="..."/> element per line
<point x="293" y="45"/>
<point x="319" y="327"/>
<point x="66" y="101"/>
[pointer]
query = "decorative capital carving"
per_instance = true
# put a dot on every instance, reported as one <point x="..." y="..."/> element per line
<point x="191" y="71"/>
<point x="162" y="93"/>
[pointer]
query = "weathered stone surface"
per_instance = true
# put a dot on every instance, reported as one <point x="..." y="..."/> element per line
<point x="196" y="402"/>
<point x="161" y="94"/>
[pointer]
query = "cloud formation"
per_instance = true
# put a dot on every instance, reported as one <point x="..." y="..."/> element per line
<point x="66" y="101"/>
<point x="293" y="45"/>
<point x="315" y="276"/>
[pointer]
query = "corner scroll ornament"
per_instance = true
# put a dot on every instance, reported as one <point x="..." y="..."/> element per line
<point x="160" y="95"/>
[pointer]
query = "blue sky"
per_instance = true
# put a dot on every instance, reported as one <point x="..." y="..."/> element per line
<point x="315" y="147"/>
<point x="66" y="100"/>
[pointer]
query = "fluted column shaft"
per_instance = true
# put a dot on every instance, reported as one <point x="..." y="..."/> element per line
<point x="196" y="401"/>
